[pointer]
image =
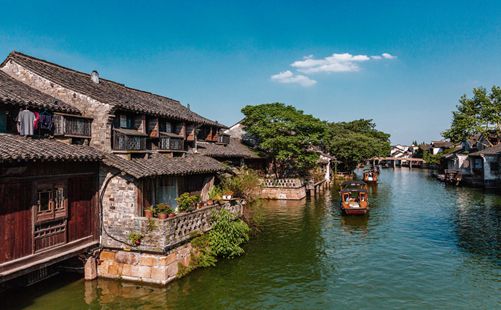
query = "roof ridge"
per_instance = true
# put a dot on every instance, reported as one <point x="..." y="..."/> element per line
<point x="20" y="54"/>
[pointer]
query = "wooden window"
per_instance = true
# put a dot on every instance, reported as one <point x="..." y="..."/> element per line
<point x="51" y="202"/>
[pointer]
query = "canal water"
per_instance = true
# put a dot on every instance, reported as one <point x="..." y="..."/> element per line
<point x="424" y="245"/>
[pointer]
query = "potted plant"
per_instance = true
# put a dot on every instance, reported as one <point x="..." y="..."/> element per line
<point x="135" y="238"/>
<point x="227" y="194"/>
<point x="148" y="212"/>
<point x="186" y="202"/>
<point x="214" y="195"/>
<point x="163" y="210"/>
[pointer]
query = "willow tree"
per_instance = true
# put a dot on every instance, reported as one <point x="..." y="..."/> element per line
<point x="285" y="135"/>
<point x="480" y="114"/>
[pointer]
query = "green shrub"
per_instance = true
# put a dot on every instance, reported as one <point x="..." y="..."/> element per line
<point x="245" y="184"/>
<point x="227" y="235"/>
<point x="186" y="202"/>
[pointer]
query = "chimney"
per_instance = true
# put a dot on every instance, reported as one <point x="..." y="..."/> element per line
<point x="94" y="76"/>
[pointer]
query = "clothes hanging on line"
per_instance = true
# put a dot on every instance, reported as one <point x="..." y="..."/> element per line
<point x="37" y="120"/>
<point x="25" y="120"/>
<point x="46" y="121"/>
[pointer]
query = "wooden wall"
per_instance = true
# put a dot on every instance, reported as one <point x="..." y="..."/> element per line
<point x="17" y="185"/>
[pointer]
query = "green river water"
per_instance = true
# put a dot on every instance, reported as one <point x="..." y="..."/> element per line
<point x="423" y="246"/>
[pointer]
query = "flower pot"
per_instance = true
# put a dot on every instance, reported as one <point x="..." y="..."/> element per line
<point x="148" y="213"/>
<point x="172" y="215"/>
<point x="138" y="242"/>
<point x="162" y="216"/>
<point x="210" y="202"/>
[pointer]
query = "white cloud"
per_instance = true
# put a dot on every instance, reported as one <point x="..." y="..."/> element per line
<point x="345" y="62"/>
<point x="287" y="77"/>
<point x="388" y="56"/>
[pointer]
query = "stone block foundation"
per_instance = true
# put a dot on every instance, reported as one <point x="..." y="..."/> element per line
<point x="283" y="193"/>
<point x="143" y="267"/>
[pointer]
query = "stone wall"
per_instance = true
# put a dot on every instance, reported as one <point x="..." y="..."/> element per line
<point x="143" y="267"/>
<point x="120" y="203"/>
<point x="283" y="193"/>
<point x="100" y="112"/>
<point x="287" y="189"/>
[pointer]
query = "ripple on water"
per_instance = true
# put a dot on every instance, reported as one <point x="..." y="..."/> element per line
<point x="424" y="245"/>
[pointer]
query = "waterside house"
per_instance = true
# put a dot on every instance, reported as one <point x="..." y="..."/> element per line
<point x="144" y="144"/>
<point x="48" y="183"/>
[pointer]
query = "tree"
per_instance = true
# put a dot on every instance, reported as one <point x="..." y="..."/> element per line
<point x="480" y="114"/>
<point x="285" y="135"/>
<point x="356" y="141"/>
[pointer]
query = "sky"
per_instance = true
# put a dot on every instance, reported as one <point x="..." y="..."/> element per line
<point x="403" y="64"/>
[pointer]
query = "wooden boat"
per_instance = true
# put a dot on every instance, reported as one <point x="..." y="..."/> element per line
<point x="354" y="198"/>
<point x="370" y="175"/>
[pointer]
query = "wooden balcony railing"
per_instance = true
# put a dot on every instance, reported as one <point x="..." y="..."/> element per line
<point x="171" y="142"/>
<point x="72" y="125"/>
<point x="128" y="140"/>
<point x="223" y="139"/>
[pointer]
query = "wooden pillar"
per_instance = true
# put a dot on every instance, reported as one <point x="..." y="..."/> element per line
<point x="410" y="164"/>
<point x="394" y="164"/>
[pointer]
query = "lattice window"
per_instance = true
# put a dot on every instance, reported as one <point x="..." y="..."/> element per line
<point x="50" y="202"/>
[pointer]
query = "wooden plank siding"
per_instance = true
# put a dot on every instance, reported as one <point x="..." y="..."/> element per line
<point x="16" y="226"/>
<point x="18" y="192"/>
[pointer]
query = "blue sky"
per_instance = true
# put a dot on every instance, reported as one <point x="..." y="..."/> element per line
<point x="221" y="56"/>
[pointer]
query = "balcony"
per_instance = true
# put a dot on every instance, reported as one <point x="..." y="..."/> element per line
<point x="171" y="142"/>
<point x="73" y="126"/>
<point x="223" y="139"/>
<point x="128" y="140"/>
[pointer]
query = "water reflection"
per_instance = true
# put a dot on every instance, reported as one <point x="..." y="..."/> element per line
<point x="423" y="245"/>
<point x="355" y="223"/>
<point x="477" y="223"/>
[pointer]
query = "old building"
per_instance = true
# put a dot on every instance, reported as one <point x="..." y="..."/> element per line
<point x="144" y="143"/>
<point x="128" y="122"/>
<point x="48" y="185"/>
<point x="485" y="167"/>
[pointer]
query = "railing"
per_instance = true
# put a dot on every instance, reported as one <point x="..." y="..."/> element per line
<point x="223" y="139"/>
<point x="123" y="142"/>
<point x="168" y="233"/>
<point x="169" y="143"/>
<point x="283" y="183"/>
<point x="72" y="126"/>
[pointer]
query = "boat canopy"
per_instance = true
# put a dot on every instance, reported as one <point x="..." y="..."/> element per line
<point x="354" y="190"/>
<point x="355" y="184"/>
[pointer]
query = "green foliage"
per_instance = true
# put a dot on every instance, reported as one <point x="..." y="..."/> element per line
<point x="285" y="135"/>
<point x="431" y="159"/>
<point x="186" y="202"/>
<point x="356" y="141"/>
<point x="227" y="235"/>
<point x="477" y="115"/>
<point x="244" y="184"/>
<point x="224" y="240"/>
<point x="163" y="208"/>
<point x="151" y="225"/>
<point x="204" y="257"/>
<point x="134" y="237"/>
<point x="215" y="193"/>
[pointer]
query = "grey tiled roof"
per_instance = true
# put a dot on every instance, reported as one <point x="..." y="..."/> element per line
<point x="14" y="92"/>
<point x="15" y="148"/>
<point x="494" y="150"/>
<point x="139" y="168"/>
<point x="234" y="149"/>
<point x="106" y="91"/>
